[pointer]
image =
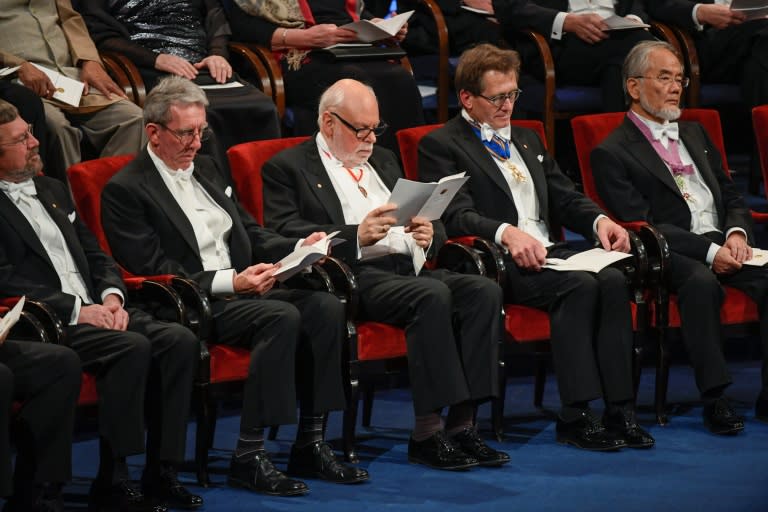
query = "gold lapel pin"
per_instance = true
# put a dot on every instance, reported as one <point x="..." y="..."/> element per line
<point x="525" y="146"/>
<point x="319" y="185"/>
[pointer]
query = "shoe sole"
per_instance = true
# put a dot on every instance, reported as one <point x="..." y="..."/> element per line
<point x="725" y="431"/>
<point x="568" y="442"/>
<point x="462" y="467"/>
<point x="233" y="482"/>
<point x="320" y="476"/>
<point x="493" y="464"/>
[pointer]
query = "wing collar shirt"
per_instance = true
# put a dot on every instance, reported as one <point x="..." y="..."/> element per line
<point x="210" y="222"/>
<point x="24" y="197"/>
<point x="356" y="206"/>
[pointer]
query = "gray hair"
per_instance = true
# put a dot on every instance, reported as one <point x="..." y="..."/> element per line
<point x="171" y="90"/>
<point x="333" y="98"/>
<point x="638" y="59"/>
<point x="8" y="112"/>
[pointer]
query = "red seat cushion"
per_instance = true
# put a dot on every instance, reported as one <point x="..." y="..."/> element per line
<point x="526" y="324"/>
<point x="737" y="308"/>
<point x="229" y="363"/>
<point x="88" y="394"/>
<point x="376" y="340"/>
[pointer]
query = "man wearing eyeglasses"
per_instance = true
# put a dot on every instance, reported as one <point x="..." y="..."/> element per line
<point x="170" y="211"/>
<point x="654" y="169"/>
<point x="518" y="197"/>
<point x="340" y="180"/>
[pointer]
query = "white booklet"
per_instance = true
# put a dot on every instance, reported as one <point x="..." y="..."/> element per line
<point x="305" y="256"/>
<point x="752" y="9"/>
<point x="623" y="23"/>
<point x="593" y="260"/>
<point x="67" y="90"/>
<point x="759" y="258"/>
<point x="368" y="31"/>
<point x="10" y="319"/>
<point x="417" y="199"/>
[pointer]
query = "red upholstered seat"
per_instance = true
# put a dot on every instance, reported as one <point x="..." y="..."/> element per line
<point x="88" y="393"/>
<point x="376" y="340"/>
<point x="228" y="363"/>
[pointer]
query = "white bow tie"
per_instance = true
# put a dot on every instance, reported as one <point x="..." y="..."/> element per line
<point x="184" y="176"/>
<point x="487" y="133"/>
<point x="16" y="190"/>
<point x="670" y="130"/>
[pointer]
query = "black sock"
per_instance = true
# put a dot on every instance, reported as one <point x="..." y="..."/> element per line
<point x="460" y="417"/>
<point x="426" y="426"/>
<point x="310" y="429"/>
<point x="249" y="443"/>
<point x="573" y="411"/>
<point x="713" y="394"/>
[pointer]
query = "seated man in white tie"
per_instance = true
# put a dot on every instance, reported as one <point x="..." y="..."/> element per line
<point x="671" y="175"/>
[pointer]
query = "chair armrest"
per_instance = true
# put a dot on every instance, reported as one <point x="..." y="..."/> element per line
<point x="548" y="69"/>
<point x="257" y="65"/>
<point x="38" y="322"/>
<point x="443" y="54"/>
<point x="687" y="47"/>
<point x="460" y="257"/>
<point x="121" y="68"/>
<point x="156" y="296"/>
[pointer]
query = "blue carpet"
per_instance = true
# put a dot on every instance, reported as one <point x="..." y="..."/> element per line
<point x="689" y="469"/>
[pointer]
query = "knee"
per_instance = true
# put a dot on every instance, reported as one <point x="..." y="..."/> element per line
<point x="68" y="362"/>
<point x="434" y="294"/>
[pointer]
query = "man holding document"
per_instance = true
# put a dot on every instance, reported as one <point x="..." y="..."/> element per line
<point x="339" y="181"/>
<point x="517" y="196"/>
<point x="169" y="211"/>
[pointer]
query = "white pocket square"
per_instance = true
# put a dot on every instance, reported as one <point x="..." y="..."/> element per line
<point x="72" y="216"/>
<point x="228" y="191"/>
<point x="541" y="158"/>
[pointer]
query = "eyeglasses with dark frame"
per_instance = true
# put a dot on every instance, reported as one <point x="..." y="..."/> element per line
<point x="499" y="100"/>
<point x="667" y="80"/>
<point x="363" y="133"/>
<point x="186" y="137"/>
<point x="24" y="139"/>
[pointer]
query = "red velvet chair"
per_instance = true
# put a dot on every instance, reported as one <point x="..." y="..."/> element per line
<point x="223" y="368"/>
<point x="760" y="125"/>
<point x="738" y="309"/>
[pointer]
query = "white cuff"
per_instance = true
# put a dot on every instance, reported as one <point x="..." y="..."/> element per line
<point x="223" y="282"/>
<point x="112" y="291"/>
<point x="597" y="219"/>
<point x="76" y="311"/>
<point x="557" y="26"/>
<point x="711" y="253"/>
<point x="694" y="12"/>
<point x="500" y="232"/>
<point x="737" y="230"/>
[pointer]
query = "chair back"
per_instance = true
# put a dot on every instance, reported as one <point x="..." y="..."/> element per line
<point x="760" y="124"/>
<point x="87" y="180"/>
<point x="246" y="161"/>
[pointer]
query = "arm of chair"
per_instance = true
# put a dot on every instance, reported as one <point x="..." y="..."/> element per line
<point x="257" y="65"/>
<point x="548" y="63"/>
<point x="443" y="73"/>
<point x="687" y="48"/>
<point x="126" y="74"/>
<point x="155" y="294"/>
<point x="38" y="322"/>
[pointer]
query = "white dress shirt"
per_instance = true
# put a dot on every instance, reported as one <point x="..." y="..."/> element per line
<point x="604" y="8"/>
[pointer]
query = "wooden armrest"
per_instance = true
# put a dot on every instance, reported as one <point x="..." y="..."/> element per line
<point x="157" y="298"/>
<point x="443" y="54"/>
<point x="38" y="322"/>
<point x="687" y="48"/>
<point x="460" y="257"/>
<point x="259" y="67"/>
<point x="548" y="76"/>
<point x="119" y="65"/>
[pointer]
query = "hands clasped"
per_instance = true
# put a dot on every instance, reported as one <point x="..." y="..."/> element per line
<point x="108" y="315"/>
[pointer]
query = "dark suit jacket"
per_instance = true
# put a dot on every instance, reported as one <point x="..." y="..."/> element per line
<point x="299" y="197"/>
<point x="540" y="14"/>
<point x="149" y="233"/>
<point x="636" y="185"/>
<point x="485" y="202"/>
<point x="26" y="269"/>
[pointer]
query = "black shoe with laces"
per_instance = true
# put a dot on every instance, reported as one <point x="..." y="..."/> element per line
<point x="473" y="445"/>
<point x="164" y="488"/>
<point x="622" y="422"/>
<point x="123" y="496"/>
<point x="317" y="460"/>
<point x="587" y="433"/>
<point x="439" y="452"/>
<point x="257" y="473"/>
<point x="721" y="418"/>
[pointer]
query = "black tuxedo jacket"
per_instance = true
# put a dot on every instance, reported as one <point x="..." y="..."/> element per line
<point x="299" y="197"/>
<point x="26" y="269"/>
<point x="636" y="185"/>
<point x="485" y="202"/>
<point x="149" y="233"/>
<point x="540" y="14"/>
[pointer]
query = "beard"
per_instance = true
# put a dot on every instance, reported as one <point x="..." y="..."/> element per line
<point x="665" y="113"/>
<point x="30" y="170"/>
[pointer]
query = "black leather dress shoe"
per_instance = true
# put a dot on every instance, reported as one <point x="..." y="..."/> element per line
<point x="165" y="489"/>
<point x="472" y="444"/>
<point x="317" y="460"/>
<point x="439" y="452"/>
<point x="120" y="497"/>
<point x="720" y="418"/>
<point x="260" y="475"/>
<point x="761" y="410"/>
<point x="587" y="433"/>
<point x="622" y="423"/>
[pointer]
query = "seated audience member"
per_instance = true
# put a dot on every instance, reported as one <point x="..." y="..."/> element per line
<point x="31" y="109"/>
<point x="296" y="29"/>
<point x="53" y="35"/>
<point x="338" y="180"/>
<point x="669" y="174"/>
<point x="169" y="211"/>
<point x="731" y="47"/>
<point x="45" y="378"/>
<point x="49" y="255"/>
<point x="518" y="197"/>
<point x="585" y="50"/>
<point x="186" y="38"/>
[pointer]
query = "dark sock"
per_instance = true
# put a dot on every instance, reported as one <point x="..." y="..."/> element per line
<point x="249" y="443"/>
<point x="426" y="426"/>
<point x="120" y="472"/>
<point x="460" y="417"/>
<point x="310" y="429"/>
<point x="713" y="394"/>
<point x="573" y="411"/>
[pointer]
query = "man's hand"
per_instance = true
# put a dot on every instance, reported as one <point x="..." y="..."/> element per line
<point x="612" y="236"/>
<point x="421" y="230"/>
<point x="256" y="280"/>
<point x="400" y="35"/>
<point x="738" y="247"/>
<point x="719" y="16"/>
<point x="119" y="315"/>
<point x="526" y="251"/>
<point x="314" y="237"/>
<point x="217" y="66"/>
<point x="483" y="5"/>
<point x="96" y="315"/>
<point x="36" y="80"/>
<point x="93" y="75"/>
<point x="590" y="28"/>
<point x="375" y="225"/>
<point x="724" y="263"/>
<point x="325" y="34"/>
<point x="175" y="65"/>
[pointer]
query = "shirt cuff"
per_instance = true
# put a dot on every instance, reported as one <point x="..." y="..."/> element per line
<point x="713" y="248"/>
<point x="696" y="23"/>
<point x="499" y="232"/>
<point x="736" y="230"/>
<point x="557" y="26"/>
<point x="76" y="311"/>
<point x="597" y="219"/>
<point x="111" y="291"/>
<point x="223" y="282"/>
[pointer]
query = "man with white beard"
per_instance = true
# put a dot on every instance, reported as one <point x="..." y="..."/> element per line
<point x="670" y="174"/>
